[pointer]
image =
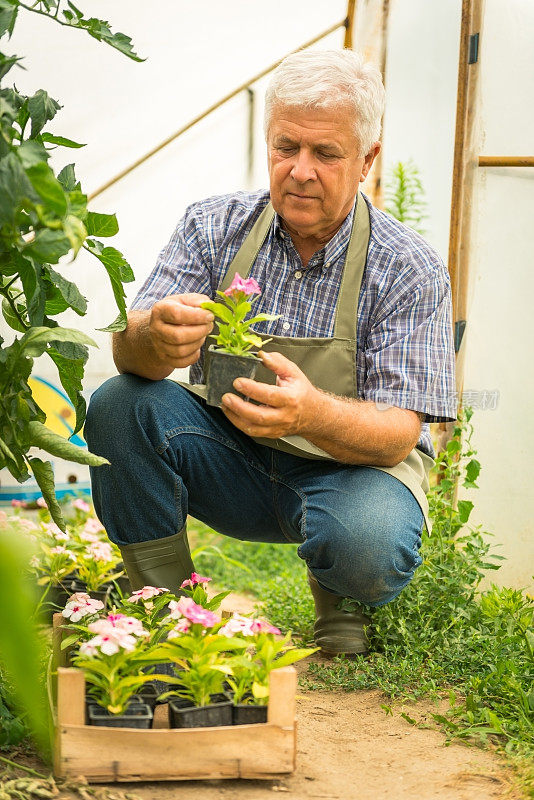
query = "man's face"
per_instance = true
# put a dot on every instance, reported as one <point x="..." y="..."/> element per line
<point x="314" y="167"/>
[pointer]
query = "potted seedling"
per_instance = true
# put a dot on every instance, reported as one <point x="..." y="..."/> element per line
<point x="234" y="353"/>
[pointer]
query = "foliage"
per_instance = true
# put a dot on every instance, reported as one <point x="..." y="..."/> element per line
<point x="234" y="335"/>
<point x="405" y="196"/>
<point x="21" y="644"/>
<point x="443" y="633"/>
<point x="43" y="219"/>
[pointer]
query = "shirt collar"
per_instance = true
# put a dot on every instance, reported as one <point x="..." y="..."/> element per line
<point x="332" y="248"/>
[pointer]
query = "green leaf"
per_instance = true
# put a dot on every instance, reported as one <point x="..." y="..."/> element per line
<point x="42" y="108"/>
<point x="69" y="291"/>
<point x="119" y="324"/>
<point x="472" y="470"/>
<point x="32" y="152"/>
<point x="34" y="341"/>
<point x="48" y="187"/>
<point x="14" y="188"/>
<point x="56" y="445"/>
<point x="76" y="232"/>
<point x="44" y="475"/>
<point x="6" y="62"/>
<point x="11" y="318"/>
<point x="101" y="224"/>
<point x="48" y="246"/>
<point x="71" y="350"/>
<point x="67" y="178"/>
<point x="50" y="138"/>
<point x="464" y="510"/>
<point x="220" y="311"/>
<point x="118" y="269"/>
<point x="70" y="373"/>
<point x="8" y="17"/>
<point x="99" y="29"/>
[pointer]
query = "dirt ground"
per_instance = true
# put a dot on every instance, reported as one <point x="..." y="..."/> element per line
<point x="349" y="748"/>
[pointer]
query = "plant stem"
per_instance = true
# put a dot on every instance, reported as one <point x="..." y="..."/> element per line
<point x="21" y="766"/>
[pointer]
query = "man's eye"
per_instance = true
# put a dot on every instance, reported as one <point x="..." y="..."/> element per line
<point x="327" y="155"/>
<point x="286" y="149"/>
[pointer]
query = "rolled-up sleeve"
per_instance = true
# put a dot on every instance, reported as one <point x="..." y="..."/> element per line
<point x="409" y="352"/>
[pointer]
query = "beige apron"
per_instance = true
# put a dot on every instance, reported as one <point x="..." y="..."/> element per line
<point x="329" y="363"/>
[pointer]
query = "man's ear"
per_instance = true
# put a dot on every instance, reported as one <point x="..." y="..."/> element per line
<point x="369" y="158"/>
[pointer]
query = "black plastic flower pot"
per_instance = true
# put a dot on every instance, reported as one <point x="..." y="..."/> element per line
<point x="224" y="368"/>
<point x="149" y="695"/>
<point x="183" y="714"/>
<point x="243" y="714"/>
<point x="97" y="594"/>
<point x="136" y="715"/>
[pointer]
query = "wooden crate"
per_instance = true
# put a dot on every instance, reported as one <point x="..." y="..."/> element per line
<point x="122" y="754"/>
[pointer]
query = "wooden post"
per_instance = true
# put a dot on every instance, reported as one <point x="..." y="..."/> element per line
<point x="282" y="689"/>
<point x="376" y="189"/>
<point x="70" y="697"/>
<point x="349" y="25"/>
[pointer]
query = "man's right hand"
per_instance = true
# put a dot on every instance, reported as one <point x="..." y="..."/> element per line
<point x="178" y="328"/>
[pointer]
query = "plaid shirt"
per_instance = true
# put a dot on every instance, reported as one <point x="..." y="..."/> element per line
<point x="405" y="353"/>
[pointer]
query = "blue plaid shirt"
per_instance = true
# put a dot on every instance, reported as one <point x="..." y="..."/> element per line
<point x="405" y="354"/>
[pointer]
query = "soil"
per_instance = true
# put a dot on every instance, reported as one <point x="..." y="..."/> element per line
<point x="349" y="748"/>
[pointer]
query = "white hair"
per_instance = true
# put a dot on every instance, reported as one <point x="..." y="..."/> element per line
<point x="326" y="79"/>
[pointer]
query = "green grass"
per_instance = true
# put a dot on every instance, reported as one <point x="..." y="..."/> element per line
<point x="442" y="637"/>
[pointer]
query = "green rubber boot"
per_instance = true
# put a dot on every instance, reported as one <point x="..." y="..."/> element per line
<point x="337" y="631"/>
<point x="159" y="562"/>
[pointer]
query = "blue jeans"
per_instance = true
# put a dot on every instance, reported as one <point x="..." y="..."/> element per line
<point x="358" y="529"/>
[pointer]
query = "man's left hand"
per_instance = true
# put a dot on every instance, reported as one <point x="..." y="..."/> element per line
<point x="285" y="408"/>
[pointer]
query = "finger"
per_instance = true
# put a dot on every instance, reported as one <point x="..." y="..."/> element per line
<point x="176" y="312"/>
<point x="183" y="334"/>
<point x="250" y="413"/>
<point x="279" y="364"/>
<point x="265" y="393"/>
<point x="250" y="428"/>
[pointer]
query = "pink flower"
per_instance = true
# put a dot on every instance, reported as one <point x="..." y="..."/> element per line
<point x="260" y="626"/>
<point x="61" y="550"/>
<point x="238" y="624"/>
<point x="146" y="593"/>
<point x="100" y="551"/>
<point x="81" y="505"/>
<point x="41" y="502"/>
<point x="18" y="503"/>
<point x="193" y="580"/>
<point x="187" y="607"/>
<point x="182" y="626"/>
<point x="239" y="284"/>
<point x="93" y="525"/>
<point x="80" y="605"/>
<point x="109" y="643"/>
<point x="55" y="531"/>
<point x="34" y="562"/>
<point x="114" y="623"/>
<point x="27" y="524"/>
<point x="87" y="536"/>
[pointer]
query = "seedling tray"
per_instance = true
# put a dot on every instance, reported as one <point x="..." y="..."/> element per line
<point x="103" y="754"/>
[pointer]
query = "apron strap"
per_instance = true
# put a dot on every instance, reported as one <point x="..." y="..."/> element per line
<point x="248" y="252"/>
<point x="346" y="324"/>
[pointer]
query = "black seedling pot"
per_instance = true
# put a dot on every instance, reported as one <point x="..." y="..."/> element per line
<point x="243" y="714"/>
<point x="183" y="714"/>
<point x="149" y="695"/>
<point x="224" y="368"/>
<point x="136" y="715"/>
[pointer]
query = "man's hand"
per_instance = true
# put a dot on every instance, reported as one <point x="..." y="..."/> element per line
<point x="287" y="408"/>
<point x="178" y="328"/>
<point x="352" y="431"/>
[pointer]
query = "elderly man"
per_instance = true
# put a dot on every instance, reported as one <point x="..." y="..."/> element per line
<point x="333" y="454"/>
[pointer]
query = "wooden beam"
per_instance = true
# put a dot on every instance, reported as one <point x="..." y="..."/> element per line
<point x="506" y="161"/>
<point x="349" y="25"/>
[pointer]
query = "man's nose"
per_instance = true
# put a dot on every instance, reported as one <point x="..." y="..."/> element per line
<point x="303" y="168"/>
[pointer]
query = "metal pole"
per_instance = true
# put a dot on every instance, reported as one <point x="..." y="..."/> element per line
<point x="250" y="150"/>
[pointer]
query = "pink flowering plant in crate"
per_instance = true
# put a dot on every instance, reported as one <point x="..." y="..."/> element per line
<point x="198" y="651"/>
<point x="112" y="659"/>
<point x="234" y="334"/>
<point x="249" y="680"/>
<point x="195" y="588"/>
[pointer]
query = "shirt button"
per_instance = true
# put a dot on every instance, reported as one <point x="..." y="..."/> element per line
<point x="298" y="274"/>
<point x="286" y="326"/>
<point x="327" y="263"/>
